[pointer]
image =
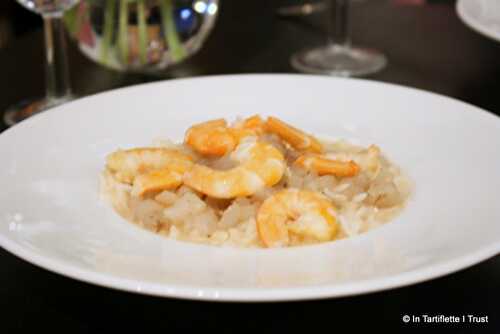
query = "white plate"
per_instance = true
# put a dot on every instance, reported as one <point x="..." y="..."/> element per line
<point x="482" y="16"/>
<point x="51" y="214"/>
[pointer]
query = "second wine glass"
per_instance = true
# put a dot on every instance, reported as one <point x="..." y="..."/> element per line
<point x="58" y="88"/>
<point x="339" y="57"/>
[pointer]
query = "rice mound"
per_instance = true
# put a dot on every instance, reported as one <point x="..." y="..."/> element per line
<point x="362" y="202"/>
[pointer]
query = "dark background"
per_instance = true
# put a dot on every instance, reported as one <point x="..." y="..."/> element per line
<point x="427" y="46"/>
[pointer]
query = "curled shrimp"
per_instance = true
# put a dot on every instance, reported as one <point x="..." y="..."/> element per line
<point x="149" y="168"/>
<point x="253" y="124"/>
<point x="167" y="178"/>
<point x="216" y="138"/>
<point x="325" y="166"/>
<point x="302" y="213"/>
<point x="298" y="139"/>
<point x="260" y="165"/>
<point x="210" y="138"/>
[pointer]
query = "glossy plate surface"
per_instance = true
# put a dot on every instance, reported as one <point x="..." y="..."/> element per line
<point x="51" y="214"/>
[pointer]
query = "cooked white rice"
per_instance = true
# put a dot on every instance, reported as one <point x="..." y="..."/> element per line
<point x="363" y="202"/>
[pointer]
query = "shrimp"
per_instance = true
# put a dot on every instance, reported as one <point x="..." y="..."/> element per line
<point x="162" y="179"/>
<point x="260" y="165"/>
<point x="325" y="166"/>
<point x="126" y="165"/>
<point x="303" y="213"/>
<point x="211" y="138"/>
<point x="298" y="139"/>
<point x="253" y="123"/>
<point x="216" y="138"/>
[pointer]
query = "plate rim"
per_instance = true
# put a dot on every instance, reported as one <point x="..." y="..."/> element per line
<point x="363" y="81"/>
<point x="298" y="293"/>
<point x="306" y="292"/>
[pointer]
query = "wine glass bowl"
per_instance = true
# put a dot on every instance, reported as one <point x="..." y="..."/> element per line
<point x="141" y="35"/>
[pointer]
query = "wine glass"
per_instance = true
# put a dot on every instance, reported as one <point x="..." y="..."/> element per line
<point x="58" y="88"/>
<point x="338" y="57"/>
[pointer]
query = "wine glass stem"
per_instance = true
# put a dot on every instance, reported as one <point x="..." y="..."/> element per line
<point x="339" y="23"/>
<point x="57" y="72"/>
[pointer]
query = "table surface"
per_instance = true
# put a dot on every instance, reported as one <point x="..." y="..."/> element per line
<point x="427" y="46"/>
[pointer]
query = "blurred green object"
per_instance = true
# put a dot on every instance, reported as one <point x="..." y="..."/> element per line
<point x="141" y="35"/>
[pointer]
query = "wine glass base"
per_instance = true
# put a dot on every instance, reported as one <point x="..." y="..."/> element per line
<point x="27" y="108"/>
<point x="339" y="61"/>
